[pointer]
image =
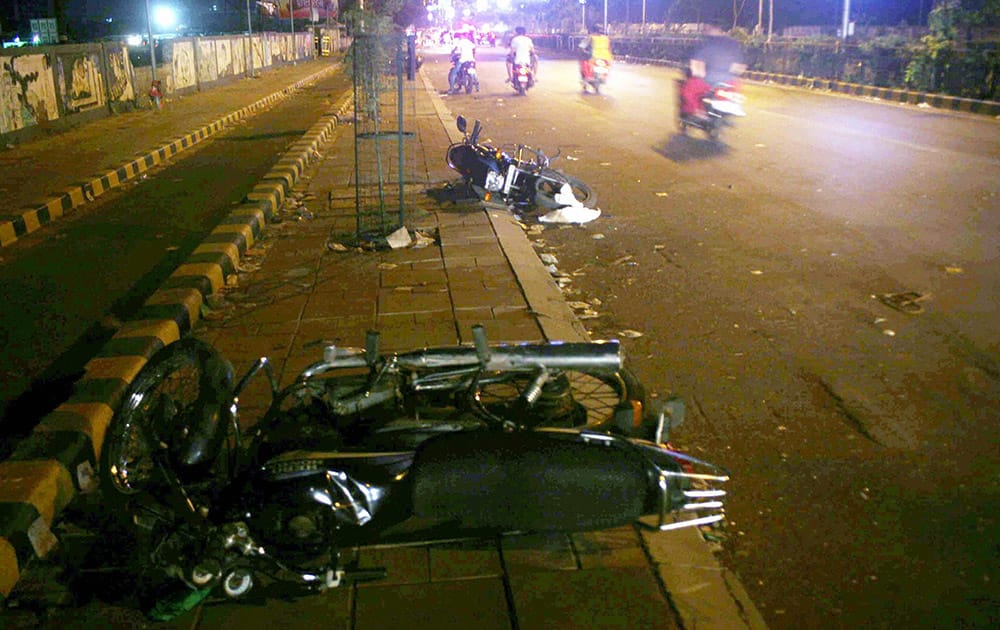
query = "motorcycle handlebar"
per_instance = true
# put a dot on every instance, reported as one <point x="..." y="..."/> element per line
<point x="590" y="356"/>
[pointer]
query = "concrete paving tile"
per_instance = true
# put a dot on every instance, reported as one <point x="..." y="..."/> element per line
<point x="403" y="565"/>
<point x="390" y="301"/>
<point x="490" y="297"/>
<point x="340" y="331"/>
<point x="507" y="331"/>
<point x="285" y="310"/>
<point x="238" y="348"/>
<point x="452" y="605"/>
<point x="597" y="598"/>
<point x="610" y="548"/>
<point x="408" y="277"/>
<point x="331" y="305"/>
<point x="417" y="336"/>
<point x="535" y="552"/>
<point x="329" y="609"/>
<point x="487" y="249"/>
<point x="467" y="559"/>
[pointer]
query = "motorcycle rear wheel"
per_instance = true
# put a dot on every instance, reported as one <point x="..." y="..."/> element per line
<point x="550" y="182"/>
<point x="595" y="394"/>
<point x="175" y="386"/>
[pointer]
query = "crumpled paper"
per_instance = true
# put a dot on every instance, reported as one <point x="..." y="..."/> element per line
<point x="572" y="211"/>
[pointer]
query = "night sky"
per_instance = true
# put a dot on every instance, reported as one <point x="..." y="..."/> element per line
<point x="787" y="12"/>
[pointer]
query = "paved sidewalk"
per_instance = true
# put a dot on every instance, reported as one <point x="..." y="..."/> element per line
<point x="294" y="293"/>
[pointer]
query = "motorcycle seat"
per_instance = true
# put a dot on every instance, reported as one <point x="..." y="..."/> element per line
<point x="527" y="481"/>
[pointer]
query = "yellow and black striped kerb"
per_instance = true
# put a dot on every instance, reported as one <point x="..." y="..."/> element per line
<point x="27" y="220"/>
<point x="60" y="457"/>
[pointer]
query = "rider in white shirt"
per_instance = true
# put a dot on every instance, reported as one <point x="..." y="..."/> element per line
<point x="464" y="51"/>
<point x="522" y="52"/>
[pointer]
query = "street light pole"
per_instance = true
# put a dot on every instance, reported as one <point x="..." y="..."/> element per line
<point x="250" y="40"/>
<point x="152" y="45"/>
<point x="605" y="17"/>
<point x="847" y="19"/>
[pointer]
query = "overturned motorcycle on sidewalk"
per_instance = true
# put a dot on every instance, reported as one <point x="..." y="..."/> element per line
<point x="366" y="447"/>
<point x="521" y="178"/>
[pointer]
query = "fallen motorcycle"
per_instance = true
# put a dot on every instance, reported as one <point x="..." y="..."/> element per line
<point x="365" y="448"/>
<point x="521" y="178"/>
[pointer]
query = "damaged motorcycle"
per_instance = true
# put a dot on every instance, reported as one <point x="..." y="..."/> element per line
<point x="521" y="178"/>
<point x="367" y="447"/>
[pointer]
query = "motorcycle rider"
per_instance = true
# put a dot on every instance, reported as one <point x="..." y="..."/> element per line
<point x="717" y="59"/>
<point x="522" y="53"/>
<point x="463" y="52"/>
<point x="596" y="46"/>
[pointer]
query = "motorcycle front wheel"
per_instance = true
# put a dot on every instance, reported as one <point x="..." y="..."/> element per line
<point x="181" y="385"/>
<point x="550" y="182"/>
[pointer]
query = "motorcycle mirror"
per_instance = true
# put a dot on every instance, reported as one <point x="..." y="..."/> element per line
<point x="462" y="124"/>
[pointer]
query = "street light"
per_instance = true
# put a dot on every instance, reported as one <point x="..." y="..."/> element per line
<point x="583" y="15"/>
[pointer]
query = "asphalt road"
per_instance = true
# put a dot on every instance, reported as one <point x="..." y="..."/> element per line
<point x="65" y="288"/>
<point x="862" y="439"/>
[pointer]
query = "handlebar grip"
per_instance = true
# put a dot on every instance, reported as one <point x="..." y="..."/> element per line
<point x="481" y="343"/>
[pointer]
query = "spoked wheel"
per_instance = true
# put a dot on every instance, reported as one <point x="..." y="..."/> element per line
<point x="162" y="418"/>
<point x="550" y="182"/>
<point x="569" y="399"/>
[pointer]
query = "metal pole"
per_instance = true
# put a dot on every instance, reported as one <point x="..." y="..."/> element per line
<point x="643" y="17"/>
<point x="250" y="67"/>
<point x="291" y="17"/>
<point x="847" y="19"/>
<point x="152" y="45"/>
<point x="605" y="17"/>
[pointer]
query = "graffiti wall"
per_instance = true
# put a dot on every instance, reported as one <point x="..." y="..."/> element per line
<point x="208" y="69"/>
<point x="121" y="78"/>
<point x="42" y="85"/>
<point x="27" y="92"/>
<point x="182" y="65"/>
<point x="80" y="82"/>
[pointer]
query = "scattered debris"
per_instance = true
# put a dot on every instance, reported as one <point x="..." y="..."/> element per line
<point x="597" y="236"/>
<point x="757" y="272"/>
<point x="907" y="302"/>
<point x="889" y="332"/>
<point x="549" y="259"/>
<point x="954" y="270"/>
<point x="624" y="259"/>
<point x="333" y="246"/>
<point x="628" y="333"/>
<point x="386" y="266"/>
<point x="399" y="239"/>
<point x="662" y="194"/>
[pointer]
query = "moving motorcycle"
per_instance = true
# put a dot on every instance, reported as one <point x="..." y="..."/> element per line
<point x="523" y="178"/>
<point x="365" y="448"/>
<point x="721" y="103"/>
<point x="523" y="78"/>
<point x="594" y="73"/>
<point x="468" y="77"/>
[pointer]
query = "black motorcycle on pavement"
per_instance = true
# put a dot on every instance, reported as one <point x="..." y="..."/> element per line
<point x="365" y="448"/>
<point x="520" y="178"/>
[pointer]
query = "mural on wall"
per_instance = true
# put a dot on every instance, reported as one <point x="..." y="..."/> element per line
<point x="224" y="57"/>
<point x="182" y="63"/>
<point x="120" y="88"/>
<point x="80" y="82"/>
<point x="27" y="92"/>
<point x="208" y="71"/>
